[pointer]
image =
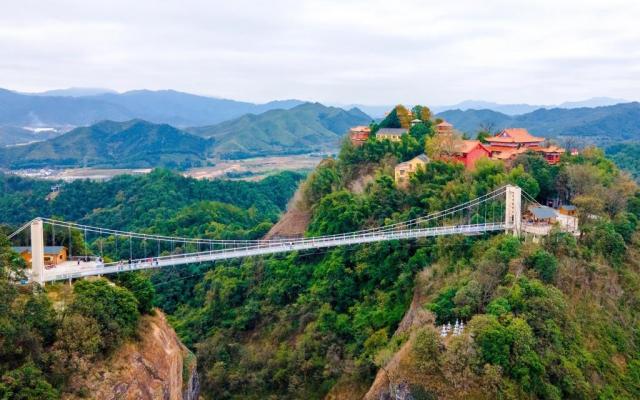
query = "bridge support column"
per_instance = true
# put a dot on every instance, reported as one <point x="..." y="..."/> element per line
<point x="37" y="251"/>
<point x="513" y="210"/>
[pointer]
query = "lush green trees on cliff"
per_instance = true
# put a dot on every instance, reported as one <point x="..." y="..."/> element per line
<point x="556" y="319"/>
<point x="42" y="346"/>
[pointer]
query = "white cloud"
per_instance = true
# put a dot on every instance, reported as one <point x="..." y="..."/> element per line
<point x="333" y="51"/>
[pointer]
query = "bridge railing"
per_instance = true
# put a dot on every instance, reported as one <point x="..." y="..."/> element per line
<point x="325" y="241"/>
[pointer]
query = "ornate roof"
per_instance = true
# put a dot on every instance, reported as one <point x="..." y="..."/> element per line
<point x="514" y="135"/>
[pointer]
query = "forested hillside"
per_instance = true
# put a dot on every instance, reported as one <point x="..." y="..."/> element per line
<point x="626" y="156"/>
<point x="302" y="129"/>
<point x="553" y="320"/>
<point x="550" y="320"/>
<point x="48" y="338"/>
<point x="132" y="144"/>
<point x="43" y="346"/>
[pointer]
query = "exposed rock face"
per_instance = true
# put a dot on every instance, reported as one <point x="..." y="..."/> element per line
<point x="415" y="317"/>
<point x="294" y="223"/>
<point x="158" y="366"/>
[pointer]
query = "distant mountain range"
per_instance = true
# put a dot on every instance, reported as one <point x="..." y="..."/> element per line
<point x="599" y="125"/>
<point x="80" y="107"/>
<point x="304" y="128"/>
<point x="131" y="144"/>
<point x="137" y="144"/>
<point x="379" y="111"/>
<point x="517" y="109"/>
<point x="74" y="92"/>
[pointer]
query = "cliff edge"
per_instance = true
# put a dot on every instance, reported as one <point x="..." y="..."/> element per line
<point x="157" y="366"/>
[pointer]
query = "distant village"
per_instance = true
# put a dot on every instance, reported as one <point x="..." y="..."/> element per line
<point x="504" y="146"/>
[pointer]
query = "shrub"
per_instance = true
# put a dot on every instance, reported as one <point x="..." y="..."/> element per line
<point x="115" y="309"/>
<point x="544" y="263"/>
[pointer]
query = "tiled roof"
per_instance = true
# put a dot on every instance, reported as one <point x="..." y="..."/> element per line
<point x="361" y="129"/>
<point x="550" y="149"/>
<point x="391" y="131"/>
<point x="543" y="212"/>
<point x="514" y="135"/>
<point x="466" y="146"/>
<point x="445" y="124"/>
<point x="506" y="153"/>
<point x="423" y="157"/>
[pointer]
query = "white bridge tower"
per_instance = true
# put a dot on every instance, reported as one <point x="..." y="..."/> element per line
<point x="513" y="209"/>
<point x="37" y="251"/>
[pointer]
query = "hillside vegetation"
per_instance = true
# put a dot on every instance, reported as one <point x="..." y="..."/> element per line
<point x="141" y="144"/>
<point x="552" y="320"/>
<point x="45" y="344"/>
<point x="132" y="144"/>
<point x="302" y="129"/>
<point x="555" y="320"/>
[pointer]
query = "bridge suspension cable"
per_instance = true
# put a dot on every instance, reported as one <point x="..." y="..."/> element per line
<point x="480" y="215"/>
<point x="236" y="242"/>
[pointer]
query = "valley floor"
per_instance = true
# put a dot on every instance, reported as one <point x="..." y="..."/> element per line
<point x="250" y="169"/>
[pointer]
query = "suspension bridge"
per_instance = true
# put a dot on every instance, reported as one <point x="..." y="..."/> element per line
<point x="496" y="211"/>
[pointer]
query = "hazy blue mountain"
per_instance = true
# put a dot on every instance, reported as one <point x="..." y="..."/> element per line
<point x="473" y="121"/>
<point x="18" y="109"/>
<point x="600" y="125"/>
<point x="375" y="111"/>
<point x="304" y="128"/>
<point x="165" y="106"/>
<point x="75" y="92"/>
<point x="592" y="102"/>
<point x="111" y="144"/>
<point x="517" y="109"/>
<point x="11" y="135"/>
<point x="184" y="109"/>
<point x="509" y="109"/>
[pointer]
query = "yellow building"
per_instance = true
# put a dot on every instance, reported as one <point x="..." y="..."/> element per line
<point x="393" y="134"/>
<point x="53" y="255"/>
<point x="403" y="171"/>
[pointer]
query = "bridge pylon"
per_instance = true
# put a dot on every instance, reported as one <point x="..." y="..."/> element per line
<point x="513" y="210"/>
<point x="37" y="251"/>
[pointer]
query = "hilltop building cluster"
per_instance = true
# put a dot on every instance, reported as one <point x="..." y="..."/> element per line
<point x="505" y="146"/>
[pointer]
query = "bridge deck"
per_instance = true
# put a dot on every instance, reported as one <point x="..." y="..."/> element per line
<point x="69" y="270"/>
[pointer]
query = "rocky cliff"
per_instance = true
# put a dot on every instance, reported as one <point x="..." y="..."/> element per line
<point x="157" y="366"/>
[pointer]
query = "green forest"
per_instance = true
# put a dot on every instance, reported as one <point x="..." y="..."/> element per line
<point x="41" y="345"/>
<point x="550" y="320"/>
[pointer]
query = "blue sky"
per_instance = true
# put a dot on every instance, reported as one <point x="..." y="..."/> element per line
<point x="369" y="52"/>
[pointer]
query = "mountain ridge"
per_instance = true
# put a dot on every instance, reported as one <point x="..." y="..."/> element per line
<point x="304" y="128"/>
<point x="164" y="106"/>
<point x="598" y="125"/>
<point x="135" y="143"/>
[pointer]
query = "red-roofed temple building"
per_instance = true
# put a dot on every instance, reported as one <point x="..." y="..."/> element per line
<point x="359" y="134"/>
<point x="511" y="142"/>
<point x="470" y="151"/>
<point x="444" y="128"/>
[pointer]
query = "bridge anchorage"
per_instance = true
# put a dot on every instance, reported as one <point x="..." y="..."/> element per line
<point x="499" y="210"/>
